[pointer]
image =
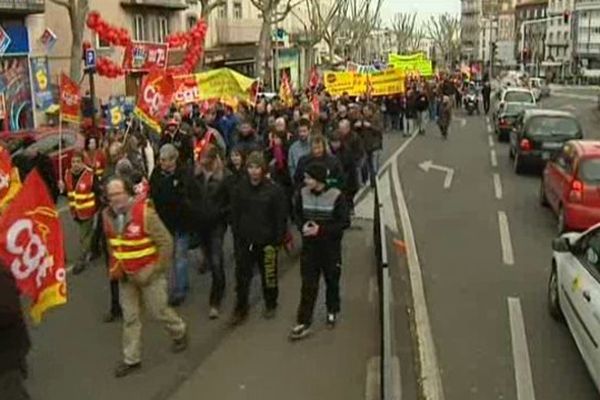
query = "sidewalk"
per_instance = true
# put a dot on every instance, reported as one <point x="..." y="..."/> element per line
<point x="256" y="360"/>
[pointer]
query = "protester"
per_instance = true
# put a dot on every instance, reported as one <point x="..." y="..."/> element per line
<point x="319" y="154"/>
<point x="300" y="147"/>
<point x="372" y="139"/>
<point x="322" y="216"/>
<point x="445" y="116"/>
<point x="259" y="225"/>
<point x="179" y="139"/>
<point x="247" y="140"/>
<point x="94" y="156"/>
<point x="141" y="250"/>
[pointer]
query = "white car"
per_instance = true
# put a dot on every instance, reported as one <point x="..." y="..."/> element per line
<point x="574" y="292"/>
<point x="513" y="95"/>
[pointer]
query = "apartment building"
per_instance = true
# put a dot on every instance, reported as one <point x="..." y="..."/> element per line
<point x="471" y="13"/>
<point x="506" y="33"/>
<point x="586" y="30"/>
<point x="534" y="37"/>
<point x="558" y="32"/>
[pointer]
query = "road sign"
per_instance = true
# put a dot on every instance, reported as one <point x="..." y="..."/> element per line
<point x="90" y="58"/>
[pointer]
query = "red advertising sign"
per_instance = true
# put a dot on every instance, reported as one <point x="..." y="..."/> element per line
<point x="144" y="56"/>
<point x="70" y="100"/>
<point x="154" y="98"/>
<point x="32" y="248"/>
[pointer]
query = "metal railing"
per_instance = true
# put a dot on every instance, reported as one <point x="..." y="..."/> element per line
<point x="385" y="302"/>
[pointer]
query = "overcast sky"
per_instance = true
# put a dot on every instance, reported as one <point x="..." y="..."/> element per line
<point x="423" y="8"/>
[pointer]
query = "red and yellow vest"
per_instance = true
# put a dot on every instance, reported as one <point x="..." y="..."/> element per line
<point x="82" y="200"/>
<point x="133" y="249"/>
<point x="97" y="162"/>
<point x="200" y="144"/>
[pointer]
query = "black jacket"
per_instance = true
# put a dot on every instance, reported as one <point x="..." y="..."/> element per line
<point x="248" y="144"/>
<point x="167" y="192"/>
<point x="259" y="213"/>
<point x="14" y="338"/>
<point x="350" y="154"/>
<point x="183" y="142"/>
<point x="422" y="102"/>
<point x="331" y="225"/>
<point x="371" y="136"/>
<point x="208" y="199"/>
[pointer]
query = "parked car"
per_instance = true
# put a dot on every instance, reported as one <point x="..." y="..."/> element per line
<point x="539" y="87"/>
<point x="513" y="95"/>
<point x="570" y="185"/>
<point x="46" y="142"/>
<point x="538" y="134"/>
<point x="574" y="292"/>
<point x="507" y="114"/>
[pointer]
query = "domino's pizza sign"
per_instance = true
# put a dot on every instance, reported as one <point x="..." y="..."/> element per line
<point x="4" y="40"/>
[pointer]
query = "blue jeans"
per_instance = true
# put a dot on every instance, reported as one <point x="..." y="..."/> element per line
<point x="179" y="273"/>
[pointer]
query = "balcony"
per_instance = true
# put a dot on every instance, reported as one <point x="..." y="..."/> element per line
<point x="167" y="4"/>
<point x="22" y="6"/>
<point x="238" y="31"/>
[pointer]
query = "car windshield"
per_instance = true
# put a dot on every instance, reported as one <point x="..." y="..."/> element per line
<point x="518" y="97"/>
<point x="515" y="108"/>
<point x="549" y="125"/>
<point x="589" y="170"/>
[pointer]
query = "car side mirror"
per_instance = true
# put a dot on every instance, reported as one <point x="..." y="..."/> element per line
<point x="561" y="245"/>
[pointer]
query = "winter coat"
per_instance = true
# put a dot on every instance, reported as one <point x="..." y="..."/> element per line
<point x="208" y="199"/>
<point x="335" y="172"/>
<point x="167" y="192"/>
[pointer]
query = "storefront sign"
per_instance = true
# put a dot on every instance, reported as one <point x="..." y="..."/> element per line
<point x="143" y="56"/>
<point x="41" y="85"/>
<point x="16" y="85"/>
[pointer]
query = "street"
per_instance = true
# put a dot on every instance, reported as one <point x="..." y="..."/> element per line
<point x="483" y="246"/>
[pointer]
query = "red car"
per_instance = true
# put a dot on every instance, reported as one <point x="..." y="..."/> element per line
<point x="571" y="185"/>
<point x="46" y="142"/>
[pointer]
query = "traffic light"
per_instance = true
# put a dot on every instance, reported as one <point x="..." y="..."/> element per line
<point x="566" y="16"/>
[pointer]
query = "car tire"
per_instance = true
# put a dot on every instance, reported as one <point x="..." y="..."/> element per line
<point x="561" y="225"/>
<point x="553" y="297"/>
<point x="517" y="164"/>
<point x="543" y="198"/>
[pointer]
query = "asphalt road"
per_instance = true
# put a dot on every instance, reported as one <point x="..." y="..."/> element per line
<point x="74" y="353"/>
<point x="484" y="250"/>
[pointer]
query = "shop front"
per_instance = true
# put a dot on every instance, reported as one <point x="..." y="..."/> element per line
<point x="239" y="58"/>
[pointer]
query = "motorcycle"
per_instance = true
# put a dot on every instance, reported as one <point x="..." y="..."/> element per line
<point x="471" y="103"/>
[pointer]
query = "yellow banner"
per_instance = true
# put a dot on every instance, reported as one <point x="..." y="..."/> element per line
<point x="411" y="64"/>
<point x="221" y="84"/>
<point x="383" y="83"/>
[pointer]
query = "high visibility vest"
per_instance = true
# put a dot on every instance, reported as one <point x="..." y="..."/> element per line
<point x="82" y="200"/>
<point x="133" y="249"/>
<point x="97" y="163"/>
<point x="199" y="145"/>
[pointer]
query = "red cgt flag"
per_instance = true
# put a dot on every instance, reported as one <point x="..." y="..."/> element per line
<point x="70" y="100"/>
<point x="314" y="78"/>
<point x="31" y="246"/>
<point x="154" y="98"/>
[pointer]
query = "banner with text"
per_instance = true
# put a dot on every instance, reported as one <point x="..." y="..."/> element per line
<point x="154" y="99"/>
<point x="382" y="83"/>
<point x="413" y="64"/>
<point x="221" y="84"/>
<point x="70" y="100"/>
<point x="145" y="56"/>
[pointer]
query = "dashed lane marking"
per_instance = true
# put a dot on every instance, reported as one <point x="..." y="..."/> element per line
<point x="493" y="158"/>
<point x="497" y="186"/>
<point x="523" y="376"/>
<point x="505" y="239"/>
<point x="491" y="140"/>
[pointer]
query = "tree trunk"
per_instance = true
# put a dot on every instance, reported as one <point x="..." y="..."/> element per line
<point x="77" y="24"/>
<point x="263" y="49"/>
<point x="308" y="62"/>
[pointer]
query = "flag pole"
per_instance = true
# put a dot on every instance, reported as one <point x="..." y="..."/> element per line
<point x="60" y="160"/>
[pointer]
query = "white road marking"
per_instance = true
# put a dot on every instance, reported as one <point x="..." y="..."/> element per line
<point x="373" y="384"/>
<point x="505" y="240"/>
<point x="569" y="107"/>
<point x="463" y="122"/>
<point x="388" y="213"/>
<point x="487" y="119"/>
<point x="575" y="96"/>
<point x="493" y="158"/>
<point x="523" y="376"/>
<point x="489" y="128"/>
<point x="427" y="165"/>
<point x="497" y="186"/>
<point x="430" y="378"/>
<point x="491" y="140"/>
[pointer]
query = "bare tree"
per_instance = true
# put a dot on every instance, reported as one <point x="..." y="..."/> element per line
<point x="272" y="13"/>
<point x="318" y="21"/>
<point x="362" y="17"/>
<point x="208" y="6"/>
<point x="444" y="30"/>
<point x="77" y="10"/>
<point x="408" y="35"/>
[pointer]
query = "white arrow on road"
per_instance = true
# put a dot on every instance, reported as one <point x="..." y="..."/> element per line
<point x="427" y="165"/>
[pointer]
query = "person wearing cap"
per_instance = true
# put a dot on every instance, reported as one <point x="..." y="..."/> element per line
<point x="182" y="141"/>
<point x="322" y="216"/>
<point x="259" y="222"/>
<point x="319" y="153"/>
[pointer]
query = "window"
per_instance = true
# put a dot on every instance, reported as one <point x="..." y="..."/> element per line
<point x="237" y="10"/>
<point x="223" y="11"/>
<point x="564" y="159"/>
<point x="163" y="29"/>
<point x="192" y="20"/>
<point x="139" y="27"/>
<point x="101" y="44"/>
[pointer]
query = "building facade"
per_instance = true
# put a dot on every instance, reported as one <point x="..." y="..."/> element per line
<point x="586" y="29"/>
<point x="471" y="13"/>
<point x="558" y="31"/>
<point x="506" y="34"/>
<point x="530" y="35"/>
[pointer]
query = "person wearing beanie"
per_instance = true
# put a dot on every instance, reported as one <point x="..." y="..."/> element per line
<point x="319" y="154"/>
<point x="322" y="216"/>
<point x="258" y="222"/>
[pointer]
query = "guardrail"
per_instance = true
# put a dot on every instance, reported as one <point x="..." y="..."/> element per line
<point x="385" y="303"/>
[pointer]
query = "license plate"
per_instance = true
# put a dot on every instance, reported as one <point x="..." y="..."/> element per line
<point x="545" y="155"/>
<point x="552" y="145"/>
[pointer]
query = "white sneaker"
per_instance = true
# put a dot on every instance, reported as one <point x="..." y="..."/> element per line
<point x="299" y="332"/>
<point x="213" y="313"/>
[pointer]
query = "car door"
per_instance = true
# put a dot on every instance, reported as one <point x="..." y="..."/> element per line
<point x="559" y="180"/>
<point x="585" y="289"/>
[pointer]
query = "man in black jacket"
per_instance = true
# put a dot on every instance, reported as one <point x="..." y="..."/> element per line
<point x="167" y="191"/>
<point x="322" y="217"/>
<point x="335" y="174"/>
<point x="14" y="340"/>
<point x="181" y="140"/>
<point x="259" y="224"/>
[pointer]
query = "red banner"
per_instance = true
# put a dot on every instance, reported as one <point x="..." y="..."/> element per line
<point x="154" y="98"/>
<point x="143" y="56"/>
<point x="187" y="89"/>
<point x="70" y="100"/>
<point x="31" y="246"/>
